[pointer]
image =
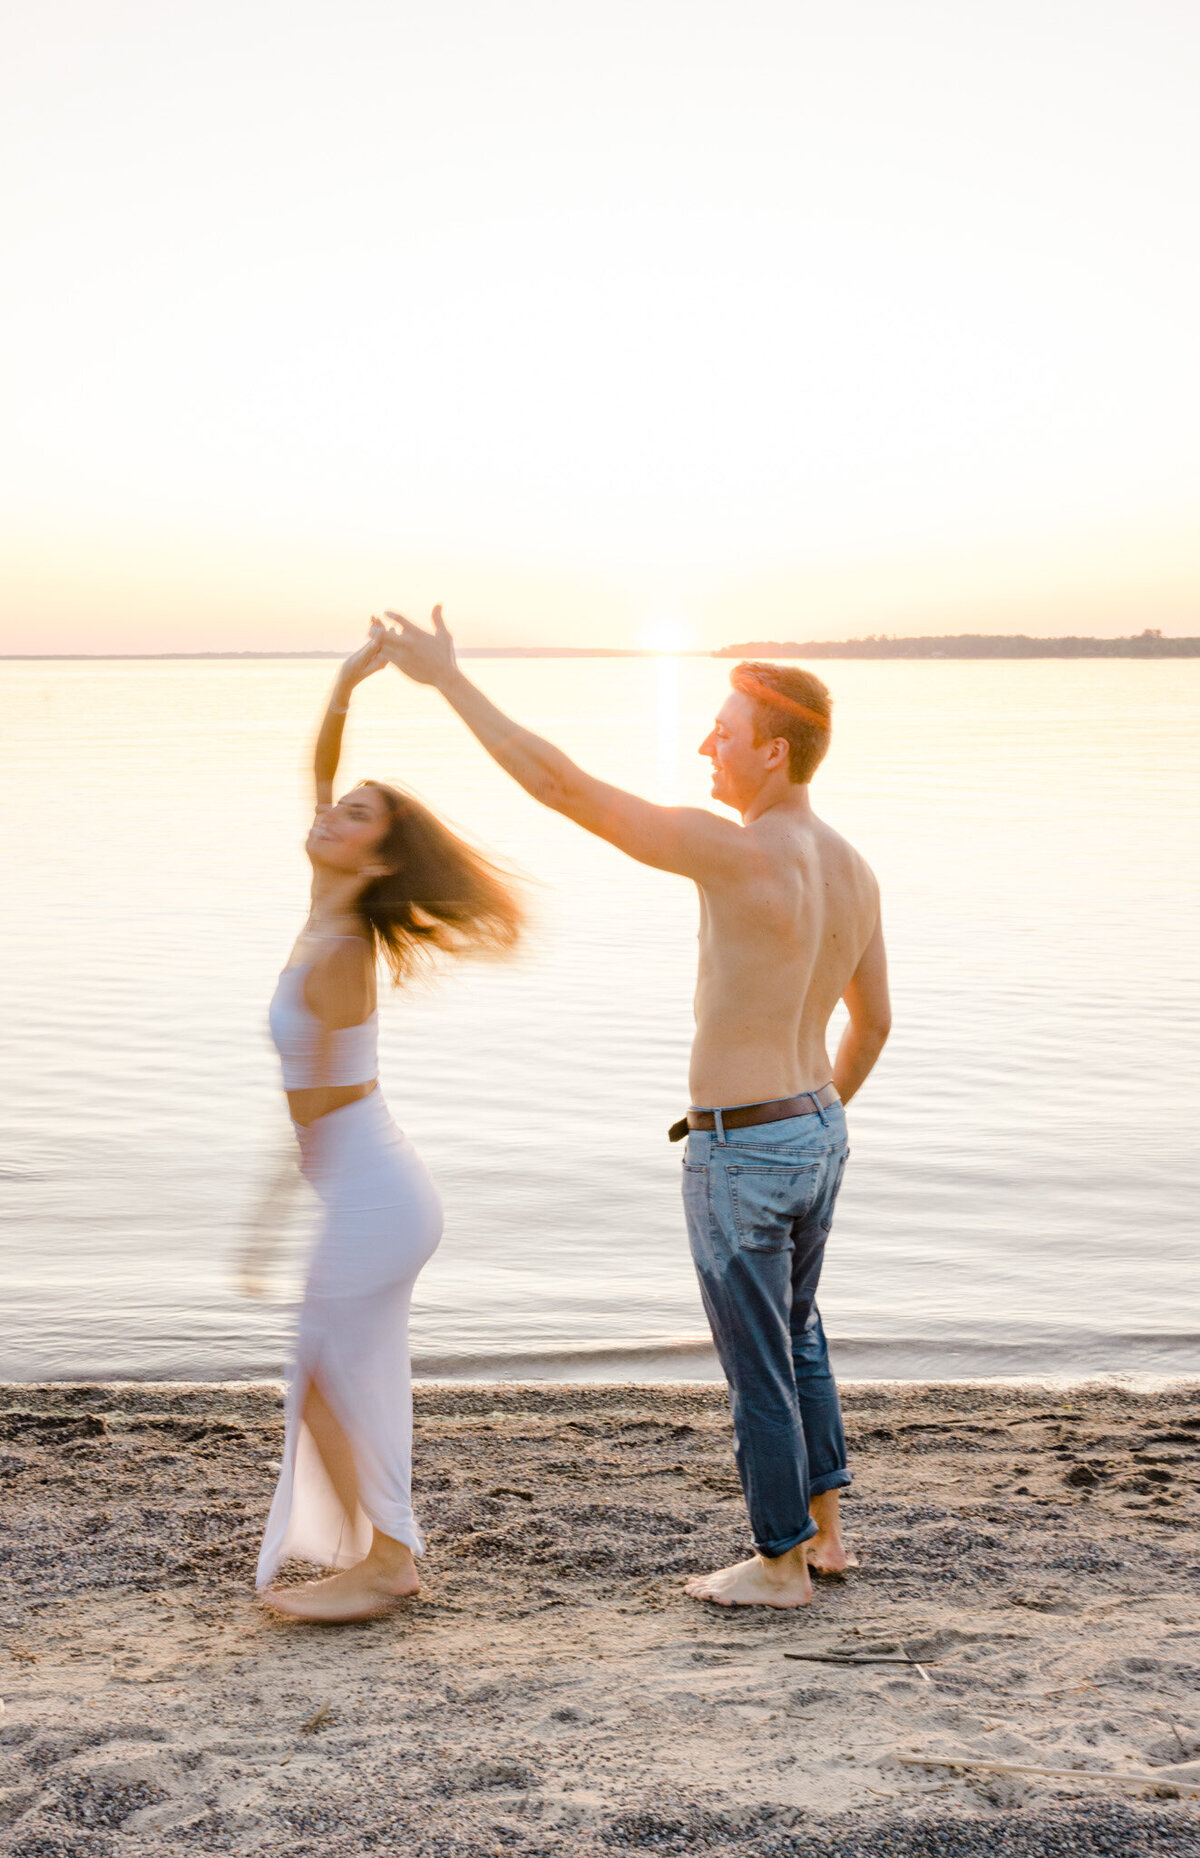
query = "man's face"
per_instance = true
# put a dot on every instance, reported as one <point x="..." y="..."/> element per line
<point x="740" y="765"/>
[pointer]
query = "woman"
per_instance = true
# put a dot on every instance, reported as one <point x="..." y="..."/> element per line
<point x="390" y="882"/>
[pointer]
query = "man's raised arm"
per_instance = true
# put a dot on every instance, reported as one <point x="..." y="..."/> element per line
<point x="686" y="840"/>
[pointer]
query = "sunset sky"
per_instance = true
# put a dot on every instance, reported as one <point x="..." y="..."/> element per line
<point x="664" y="323"/>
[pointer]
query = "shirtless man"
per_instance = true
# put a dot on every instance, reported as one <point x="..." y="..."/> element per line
<point x="789" y="925"/>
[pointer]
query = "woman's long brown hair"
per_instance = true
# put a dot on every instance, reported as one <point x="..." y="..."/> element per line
<point x="439" y="894"/>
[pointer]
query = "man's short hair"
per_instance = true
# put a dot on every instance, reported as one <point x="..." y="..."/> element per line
<point x="790" y="703"/>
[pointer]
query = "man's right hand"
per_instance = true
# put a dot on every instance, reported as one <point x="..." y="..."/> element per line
<point x="425" y="657"/>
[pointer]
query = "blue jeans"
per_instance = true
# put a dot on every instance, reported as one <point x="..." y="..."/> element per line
<point x="759" y="1204"/>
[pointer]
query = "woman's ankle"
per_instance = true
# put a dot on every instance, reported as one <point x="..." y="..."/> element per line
<point x="389" y="1557"/>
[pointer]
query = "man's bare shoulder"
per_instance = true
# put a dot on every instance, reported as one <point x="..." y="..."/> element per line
<point x="814" y="844"/>
<point x="838" y="849"/>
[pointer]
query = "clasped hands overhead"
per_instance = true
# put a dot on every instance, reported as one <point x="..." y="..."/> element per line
<point x="427" y="657"/>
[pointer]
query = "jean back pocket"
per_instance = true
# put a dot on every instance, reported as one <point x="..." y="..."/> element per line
<point x="769" y="1197"/>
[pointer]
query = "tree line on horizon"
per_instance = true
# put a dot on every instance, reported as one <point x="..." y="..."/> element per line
<point x="1147" y="644"/>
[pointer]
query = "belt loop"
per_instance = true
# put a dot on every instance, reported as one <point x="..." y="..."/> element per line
<point x="816" y="1103"/>
<point x="720" y="1122"/>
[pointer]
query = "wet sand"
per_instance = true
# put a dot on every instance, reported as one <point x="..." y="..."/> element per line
<point x="1032" y="1554"/>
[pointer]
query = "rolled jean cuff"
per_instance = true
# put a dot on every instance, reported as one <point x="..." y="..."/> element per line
<point x="832" y="1480"/>
<point x="772" y="1550"/>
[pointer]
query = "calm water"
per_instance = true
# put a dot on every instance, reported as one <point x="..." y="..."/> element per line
<point x="1024" y="1186"/>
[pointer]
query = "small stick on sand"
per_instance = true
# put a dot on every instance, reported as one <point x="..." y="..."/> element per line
<point x="910" y="1664"/>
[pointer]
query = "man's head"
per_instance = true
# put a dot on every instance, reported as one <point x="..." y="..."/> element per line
<point x="773" y="727"/>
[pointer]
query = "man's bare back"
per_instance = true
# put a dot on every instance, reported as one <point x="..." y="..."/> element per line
<point x="780" y="942"/>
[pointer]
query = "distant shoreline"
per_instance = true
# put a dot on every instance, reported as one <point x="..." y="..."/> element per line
<point x="968" y="645"/>
<point x="465" y="651"/>
<point x="960" y="645"/>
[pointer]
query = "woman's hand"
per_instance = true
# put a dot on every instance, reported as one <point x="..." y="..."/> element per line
<point x="368" y="659"/>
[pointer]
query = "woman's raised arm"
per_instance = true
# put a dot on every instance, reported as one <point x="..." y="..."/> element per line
<point x="361" y="664"/>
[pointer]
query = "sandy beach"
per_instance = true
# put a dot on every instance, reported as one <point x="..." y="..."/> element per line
<point x="1030" y="1570"/>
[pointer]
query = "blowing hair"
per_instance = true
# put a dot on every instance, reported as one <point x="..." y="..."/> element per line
<point x="790" y="703"/>
<point x="440" y="894"/>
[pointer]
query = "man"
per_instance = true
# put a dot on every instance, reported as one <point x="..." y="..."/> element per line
<point x="789" y="925"/>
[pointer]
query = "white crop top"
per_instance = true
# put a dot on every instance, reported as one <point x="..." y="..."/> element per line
<point x="349" y="1054"/>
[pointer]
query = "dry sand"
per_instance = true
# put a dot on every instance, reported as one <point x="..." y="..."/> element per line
<point x="551" y="1691"/>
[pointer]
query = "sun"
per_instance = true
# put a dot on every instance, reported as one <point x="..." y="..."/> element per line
<point x="665" y="633"/>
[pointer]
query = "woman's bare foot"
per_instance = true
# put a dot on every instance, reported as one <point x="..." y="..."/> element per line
<point x="827" y="1551"/>
<point x="365" y="1591"/>
<point x="780" y="1581"/>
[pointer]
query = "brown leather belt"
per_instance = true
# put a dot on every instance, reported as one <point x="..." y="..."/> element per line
<point x="747" y="1114"/>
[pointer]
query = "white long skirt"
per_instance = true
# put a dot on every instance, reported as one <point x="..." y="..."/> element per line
<point x="383" y="1221"/>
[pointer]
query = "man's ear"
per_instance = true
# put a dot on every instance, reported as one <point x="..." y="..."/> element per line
<point x="779" y="752"/>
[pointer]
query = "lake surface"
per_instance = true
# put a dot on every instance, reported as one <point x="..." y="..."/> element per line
<point x="1023" y="1190"/>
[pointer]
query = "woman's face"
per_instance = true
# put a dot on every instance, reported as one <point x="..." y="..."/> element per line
<point x="348" y="836"/>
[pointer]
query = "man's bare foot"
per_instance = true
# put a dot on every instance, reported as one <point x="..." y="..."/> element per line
<point x="829" y="1557"/>
<point x="781" y="1581"/>
<point x="828" y="1554"/>
<point x="827" y="1551"/>
<point x="365" y="1591"/>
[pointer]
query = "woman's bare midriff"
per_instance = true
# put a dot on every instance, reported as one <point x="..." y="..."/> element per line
<point x="308" y="1106"/>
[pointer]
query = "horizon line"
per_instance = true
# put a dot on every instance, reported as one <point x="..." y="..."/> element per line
<point x="464" y="651"/>
<point x="1153" y="644"/>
